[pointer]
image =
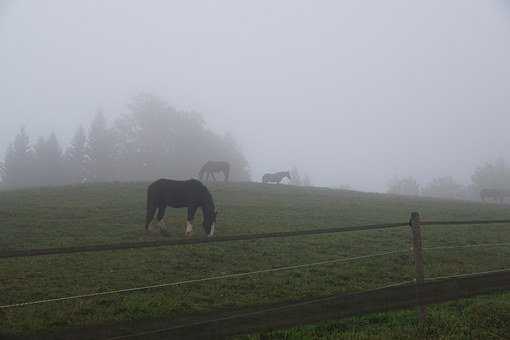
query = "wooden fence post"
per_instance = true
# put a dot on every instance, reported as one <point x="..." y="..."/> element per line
<point x="414" y="223"/>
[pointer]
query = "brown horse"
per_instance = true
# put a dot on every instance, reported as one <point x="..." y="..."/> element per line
<point x="189" y="194"/>
<point x="212" y="167"/>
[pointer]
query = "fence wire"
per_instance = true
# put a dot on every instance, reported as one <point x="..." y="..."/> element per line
<point x="244" y="274"/>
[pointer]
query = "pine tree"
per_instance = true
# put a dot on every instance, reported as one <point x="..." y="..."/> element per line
<point x="75" y="158"/>
<point x="48" y="162"/>
<point x="17" y="169"/>
<point x="100" y="150"/>
<point x="2" y="174"/>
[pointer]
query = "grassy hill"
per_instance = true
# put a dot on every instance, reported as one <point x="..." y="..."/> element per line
<point x="110" y="213"/>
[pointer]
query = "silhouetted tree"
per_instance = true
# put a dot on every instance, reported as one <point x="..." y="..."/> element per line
<point x="404" y="186"/>
<point x="156" y="140"/>
<point x="295" y="177"/>
<point x="18" y="165"/>
<point x="298" y="179"/>
<point x="100" y="151"/>
<point x="307" y="182"/>
<point x="492" y="176"/>
<point x="216" y="147"/>
<point x="2" y="173"/>
<point x="48" y="169"/>
<point x="146" y="138"/>
<point x="240" y="169"/>
<point x="444" y="187"/>
<point x="152" y="140"/>
<point x="75" y="158"/>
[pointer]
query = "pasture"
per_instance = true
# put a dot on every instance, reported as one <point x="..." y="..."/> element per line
<point x="112" y="213"/>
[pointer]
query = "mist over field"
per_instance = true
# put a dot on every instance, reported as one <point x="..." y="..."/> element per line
<point x="352" y="158"/>
<point x="351" y="93"/>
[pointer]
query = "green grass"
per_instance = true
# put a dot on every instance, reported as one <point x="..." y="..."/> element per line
<point x="110" y="213"/>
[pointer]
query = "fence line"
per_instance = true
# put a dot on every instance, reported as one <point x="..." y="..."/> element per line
<point x="447" y="277"/>
<point x="247" y="237"/>
<point x="244" y="274"/>
<point x="248" y="314"/>
<point x="151" y="244"/>
<point x="464" y="222"/>
<point x="420" y="294"/>
<point x="220" y="324"/>
<point x="220" y="277"/>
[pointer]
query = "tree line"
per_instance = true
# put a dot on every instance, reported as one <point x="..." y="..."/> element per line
<point x="152" y="140"/>
<point x="491" y="175"/>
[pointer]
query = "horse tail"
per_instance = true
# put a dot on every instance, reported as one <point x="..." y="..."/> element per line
<point x="151" y="208"/>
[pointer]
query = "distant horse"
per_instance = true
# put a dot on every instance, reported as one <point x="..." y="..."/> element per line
<point x="212" y="167"/>
<point x="189" y="194"/>
<point x="497" y="195"/>
<point x="276" y="177"/>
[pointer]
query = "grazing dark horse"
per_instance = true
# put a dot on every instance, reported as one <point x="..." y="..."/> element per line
<point x="189" y="194"/>
<point x="211" y="167"/>
<point x="276" y="177"/>
<point x="497" y="195"/>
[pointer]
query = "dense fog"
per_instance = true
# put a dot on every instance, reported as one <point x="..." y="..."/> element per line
<point x="364" y="95"/>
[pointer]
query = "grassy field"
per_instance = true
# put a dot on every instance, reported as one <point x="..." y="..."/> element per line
<point x="109" y="213"/>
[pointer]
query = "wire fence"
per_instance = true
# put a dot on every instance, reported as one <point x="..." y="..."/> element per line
<point x="181" y="242"/>
<point x="243" y="274"/>
<point x="247" y="237"/>
<point x="420" y="296"/>
<point x="389" y="297"/>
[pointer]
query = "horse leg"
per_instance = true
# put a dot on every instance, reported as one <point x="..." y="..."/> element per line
<point x="207" y="177"/>
<point x="226" y="172"/>
<point x="161" y="215"/>
<point x="151" y="210"/>
<point x="191" y="215"/>
<point x="212" y="175"/>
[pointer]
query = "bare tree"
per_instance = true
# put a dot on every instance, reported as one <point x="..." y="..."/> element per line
<point x="404" y="186"/>
<point x="295" y="177"/>
<point x="444" y="187"/>
<point x="492" y="176"/>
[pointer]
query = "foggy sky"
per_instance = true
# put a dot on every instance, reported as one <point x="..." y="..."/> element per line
<point x="351" y="92"/>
